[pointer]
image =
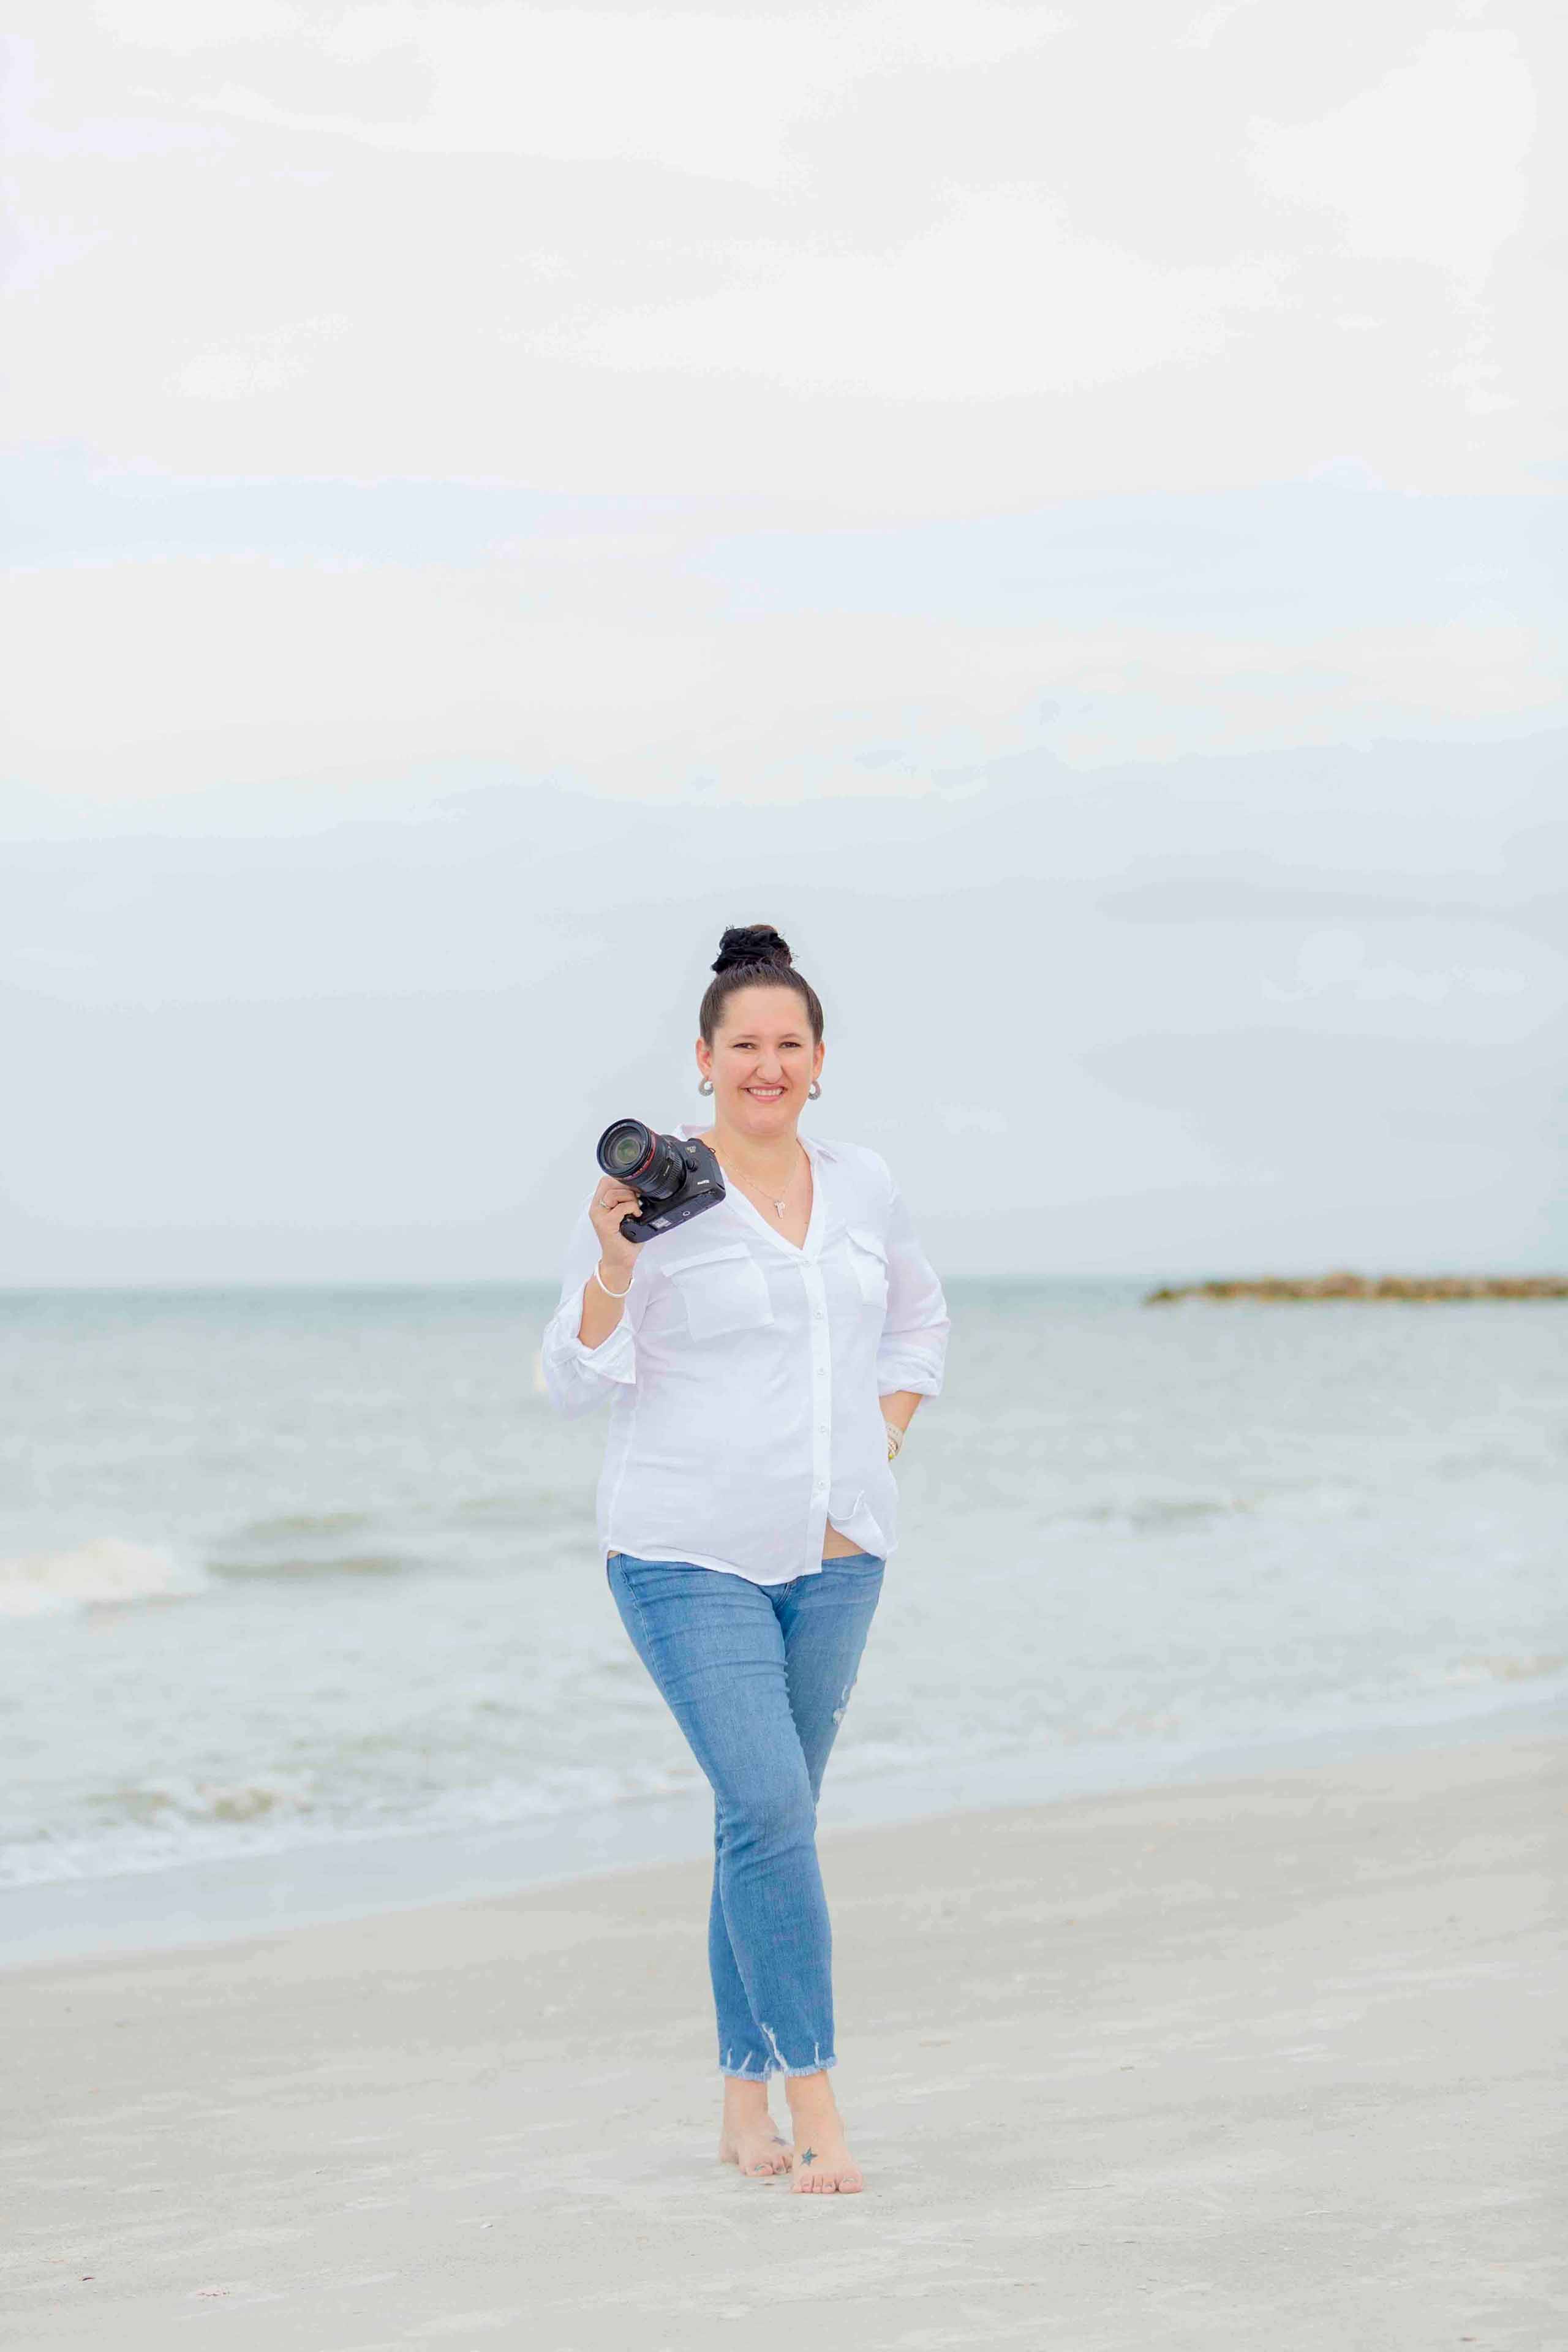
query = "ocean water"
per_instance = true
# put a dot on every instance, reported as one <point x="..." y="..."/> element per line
<point x="312" y="1569"/>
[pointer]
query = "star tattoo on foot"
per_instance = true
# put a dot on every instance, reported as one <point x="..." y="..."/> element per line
<point x="808" y="2155"/>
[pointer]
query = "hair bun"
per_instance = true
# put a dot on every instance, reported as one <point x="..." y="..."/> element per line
<point x="753" y="943"/>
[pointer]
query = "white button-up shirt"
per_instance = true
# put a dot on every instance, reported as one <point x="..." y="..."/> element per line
<point x="744" y="1374"/>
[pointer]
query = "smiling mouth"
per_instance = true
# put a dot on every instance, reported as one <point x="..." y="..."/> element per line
<point x="764" y="1094"/>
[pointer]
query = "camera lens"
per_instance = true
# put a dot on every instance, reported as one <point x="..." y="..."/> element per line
<point x="651" y="1164"/>
<point x="623" y="1148"/>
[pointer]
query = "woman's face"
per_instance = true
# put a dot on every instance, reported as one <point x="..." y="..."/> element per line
<point x="763" y="1060"/>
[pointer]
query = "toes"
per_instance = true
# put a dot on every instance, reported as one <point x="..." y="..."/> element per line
<point x="846" y="2182"/>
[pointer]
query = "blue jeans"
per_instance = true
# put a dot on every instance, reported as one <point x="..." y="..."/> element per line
<point x="758" y="1677"/>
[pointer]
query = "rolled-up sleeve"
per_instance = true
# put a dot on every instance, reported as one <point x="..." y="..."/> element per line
<point x="912" y="1352"/>
<point x="576" y="1377"/>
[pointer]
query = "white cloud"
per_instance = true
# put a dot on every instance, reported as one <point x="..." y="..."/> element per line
<point x="1427" y="165"/>
<point x="999" y="298"/>
<point x="263" y="363"/>
<point x="38" y="248"/>
<point x="615" y="665"/>
<point x="1204" y="28"/>
<point x="711" y="93"/>
<point x="182" y="26"/>
<point x="117" y="138"/>
<point x="641" y="248"/>
<point x="1337" y="965"/>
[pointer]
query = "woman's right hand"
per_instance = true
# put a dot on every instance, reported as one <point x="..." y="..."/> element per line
<point x="618" y="1256"/>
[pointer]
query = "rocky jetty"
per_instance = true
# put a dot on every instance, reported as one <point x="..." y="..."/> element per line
<point x="1419" y="1287"/>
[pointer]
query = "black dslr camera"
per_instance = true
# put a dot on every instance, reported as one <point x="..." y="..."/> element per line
<point x="679" y="1178"/>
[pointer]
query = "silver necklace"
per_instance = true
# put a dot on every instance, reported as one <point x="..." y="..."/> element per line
<point x="778" y="1206"/>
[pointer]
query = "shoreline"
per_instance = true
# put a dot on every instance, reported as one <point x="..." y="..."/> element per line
<point x="202" y="1903"/>
<point x="1266" y="2056"/>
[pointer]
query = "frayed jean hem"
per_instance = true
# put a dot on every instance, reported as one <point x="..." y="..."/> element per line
<point x="770" y="2067"/>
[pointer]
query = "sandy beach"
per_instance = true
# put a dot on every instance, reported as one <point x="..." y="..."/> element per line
<point x="1265" y="2060"/>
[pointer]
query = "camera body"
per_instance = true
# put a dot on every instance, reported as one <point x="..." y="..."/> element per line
<point x="676" y="1178"/>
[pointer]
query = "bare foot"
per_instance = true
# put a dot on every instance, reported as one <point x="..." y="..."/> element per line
<point x="823" y="2164"/>
<point x="749" y="2136"/>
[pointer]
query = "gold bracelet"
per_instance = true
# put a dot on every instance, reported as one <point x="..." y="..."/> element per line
<point x="895" y="1438"/>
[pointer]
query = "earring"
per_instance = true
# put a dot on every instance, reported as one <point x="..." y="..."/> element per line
<point x="704" y="1085"/>
<point x="814" y="1090"/>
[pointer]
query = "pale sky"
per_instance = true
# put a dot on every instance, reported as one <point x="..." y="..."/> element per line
<point x="1060" y="510"/>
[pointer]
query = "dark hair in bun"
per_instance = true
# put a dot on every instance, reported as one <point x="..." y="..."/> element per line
<point x="752" y="955"/>
<point x="751" y="943"/>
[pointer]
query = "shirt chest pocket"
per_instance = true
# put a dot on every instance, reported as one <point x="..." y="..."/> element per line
<point x="868" y="1264"/>
<point x="722" y="1290"/>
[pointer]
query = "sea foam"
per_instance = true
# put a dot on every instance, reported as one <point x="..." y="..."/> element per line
<point x="40" y="1583"/>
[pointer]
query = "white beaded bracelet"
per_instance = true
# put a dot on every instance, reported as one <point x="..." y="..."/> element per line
<point x="605" y="1288"/>
<point x="895" y="1438"/>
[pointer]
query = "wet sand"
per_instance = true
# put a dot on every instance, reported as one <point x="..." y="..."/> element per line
<point x="1273" y="2062"/>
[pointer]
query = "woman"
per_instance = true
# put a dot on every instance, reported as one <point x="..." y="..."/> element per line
<point x="765" y="1359"/>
